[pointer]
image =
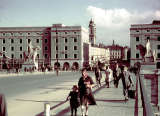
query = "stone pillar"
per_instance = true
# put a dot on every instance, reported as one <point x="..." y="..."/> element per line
<point x="152" y="87"/>
<point x="46" y="109"/>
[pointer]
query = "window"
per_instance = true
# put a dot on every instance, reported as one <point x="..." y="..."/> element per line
<point x="46" y="55"/>
<point x="75" y="39"/>
<point x="21" y="56"/>
<point x="12" y="48"/>
<point x="20" y="41"/>
<point x="65" y="32"/>
<point x="75" y="47"/>
<point x="4" y="34"/>
<point x="137" y="38"/>
<point x="74" y="32"/>
<point x="66" y="40"/>
<point x="37" y="55"/>
<point x="75" y="55"/>
<point x="12" y="41"/>
<point x="12" y="55"/>
<point x="137" y="55"/>
<point x="56" y="40"/>
<point x="158" y="38"/>
<point x="45" y="40"/>
<point x="4" y="41"/>
<point x="158" y="46"/>
<point x="28" y="33"/>
<point x="56" y="55"/>
<point x="148" y="38"/>
<point x="20" y="48"/>
<point x="37" y="40"/>
<point x="46" y="48"/>
<point x="66" y="56"/>
<point x="158" y="55"/>
<point x="56" y="47"/>
<point x="66" y="48"/>
<point x="148" y="30"/>
<point x="29" y="40"/>
<point x="137" y="30"/>
<point x="4" y="49"/>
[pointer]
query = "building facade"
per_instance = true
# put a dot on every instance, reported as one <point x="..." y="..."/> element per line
<point x="14" y="42"/>
<point x="139" y="34"/>
<point x="116" y="52"/>
<point x="68" y="44"/>
<point x="61" y="46"/>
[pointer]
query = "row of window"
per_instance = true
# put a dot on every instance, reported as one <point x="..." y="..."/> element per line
<point x="20" y="41"/>
<point x="20" y="48"/>
<point x="21" y="56"/>
<point x="158" y="38"/>
<point x="66" y="56"/>
<point x="66" y="40"/>
<point x="66" y="32"/>
<point x="46" y="56"/>
<point x="148" y="30"/>
<point x="31" y="33"/>
<point x="66" y="48"/>
<point x="20" y="33"/>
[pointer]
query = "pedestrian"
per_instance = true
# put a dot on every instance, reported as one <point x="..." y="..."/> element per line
<point x="74" y="100"/>
<point x="128" y="79"/>
<point x="85" y="85"/>
<point x="3" y="106"/>
<point x="116" y="74"/>
<point x="107" y="77"/>
<point x="98" y="76"/>
<point x="125" y="77"/>
<point x="110" y="74"/>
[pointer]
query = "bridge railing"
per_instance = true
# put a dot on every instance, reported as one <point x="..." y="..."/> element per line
<point x="147" y="108"/>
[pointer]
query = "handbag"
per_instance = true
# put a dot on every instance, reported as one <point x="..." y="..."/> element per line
<point x="131" y="92"/>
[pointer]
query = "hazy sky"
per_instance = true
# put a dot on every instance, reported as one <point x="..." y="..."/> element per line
<point x="112" y="17"/>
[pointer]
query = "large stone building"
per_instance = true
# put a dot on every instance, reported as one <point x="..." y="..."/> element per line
<point x="14" y="42"/>
<point x="139" y="34"/>
<point x="61" y="46"/>
<point x="68" y="43"/>
<point x="117" y="52"/>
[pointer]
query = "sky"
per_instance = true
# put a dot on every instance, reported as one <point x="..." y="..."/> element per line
<point x="113" y="18"/>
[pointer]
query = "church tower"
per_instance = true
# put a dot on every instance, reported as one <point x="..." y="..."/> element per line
<point x="92" y="32"/>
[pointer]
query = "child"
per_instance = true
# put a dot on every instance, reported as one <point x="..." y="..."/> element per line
<point x="74" y="99"/>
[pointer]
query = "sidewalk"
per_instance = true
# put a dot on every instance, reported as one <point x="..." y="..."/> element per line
<point x="110" y="101"/>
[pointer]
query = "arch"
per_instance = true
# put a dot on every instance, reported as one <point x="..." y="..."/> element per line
<point x="66" y="66"/>
<point x="75" y="66"/>
<point x="56" y="65"/>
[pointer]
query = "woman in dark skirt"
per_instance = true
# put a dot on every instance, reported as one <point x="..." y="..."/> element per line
<point x="85" y="88"/>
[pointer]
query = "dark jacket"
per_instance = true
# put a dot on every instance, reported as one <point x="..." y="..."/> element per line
<point x="85" y="91"/>
<point x="74" y="100"/>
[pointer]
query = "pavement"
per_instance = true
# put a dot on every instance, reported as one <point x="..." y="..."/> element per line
<point x="110" y="101"/>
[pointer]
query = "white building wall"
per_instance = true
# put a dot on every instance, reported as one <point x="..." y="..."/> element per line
<point x="17" y="33"/>
<point x="69" y="33"/>
<point x="143" y="31"/>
